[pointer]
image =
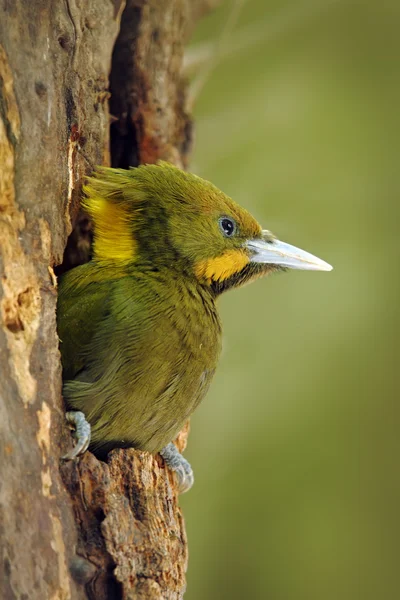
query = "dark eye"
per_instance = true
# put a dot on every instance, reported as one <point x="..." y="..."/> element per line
<point x="227" y="226"/>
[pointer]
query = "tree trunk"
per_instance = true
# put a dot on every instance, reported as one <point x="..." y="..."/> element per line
<point x="85" y="529"/>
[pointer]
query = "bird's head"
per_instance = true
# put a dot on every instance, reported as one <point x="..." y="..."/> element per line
<point x="165" y="217"/>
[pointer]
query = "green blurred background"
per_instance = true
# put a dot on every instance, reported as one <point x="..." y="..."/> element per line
<point x="295" y="449"/>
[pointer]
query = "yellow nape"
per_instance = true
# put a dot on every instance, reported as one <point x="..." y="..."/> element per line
<point x="113" y="236"/>
<point x="221" y="267"/>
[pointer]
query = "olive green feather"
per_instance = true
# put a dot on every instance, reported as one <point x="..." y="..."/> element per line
<point x="140" y="335"/>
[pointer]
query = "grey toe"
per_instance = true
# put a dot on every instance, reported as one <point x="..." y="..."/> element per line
<point x="82" y="434"/>
<point x="181" y="467"/>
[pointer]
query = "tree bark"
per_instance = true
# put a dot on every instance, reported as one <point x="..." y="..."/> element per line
<point x="87" y="529"/>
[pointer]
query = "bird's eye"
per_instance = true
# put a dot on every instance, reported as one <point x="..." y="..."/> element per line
<point x="227" y="226"/>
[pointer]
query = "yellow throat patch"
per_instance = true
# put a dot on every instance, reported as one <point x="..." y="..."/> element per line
<point x="221" y="267"/>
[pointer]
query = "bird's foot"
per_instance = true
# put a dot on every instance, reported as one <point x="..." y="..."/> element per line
<point x="175" y="461"/>
<point x="82" y="433"/>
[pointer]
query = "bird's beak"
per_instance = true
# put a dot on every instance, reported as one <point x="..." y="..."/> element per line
<point x="275" y="252"/>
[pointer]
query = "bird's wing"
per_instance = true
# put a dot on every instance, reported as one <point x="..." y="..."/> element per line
<point x="83" y="304"/>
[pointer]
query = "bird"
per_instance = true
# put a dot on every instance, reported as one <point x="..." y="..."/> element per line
<point x="139" y="328"/>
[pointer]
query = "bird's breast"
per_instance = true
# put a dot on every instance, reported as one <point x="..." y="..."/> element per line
<point x="192" y="326"/>
<point x="164" y="342"/>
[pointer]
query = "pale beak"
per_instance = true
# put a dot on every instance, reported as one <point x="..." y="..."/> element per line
<point x="275" y="252"/>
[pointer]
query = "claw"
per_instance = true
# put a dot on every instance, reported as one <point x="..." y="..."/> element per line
<point x="82" y="434"/>
<point x="181" y="467"/>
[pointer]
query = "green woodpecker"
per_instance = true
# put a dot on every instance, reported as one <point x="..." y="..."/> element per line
<point x="140" y="334"/>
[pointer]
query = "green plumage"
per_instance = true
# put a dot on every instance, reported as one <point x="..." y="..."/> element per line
<point x="139" y="350"/>
<point x="139" y="330"/>
<point x="140" y="337"/>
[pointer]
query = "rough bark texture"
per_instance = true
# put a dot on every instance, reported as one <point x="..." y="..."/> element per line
<point x="88" y="529"/>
